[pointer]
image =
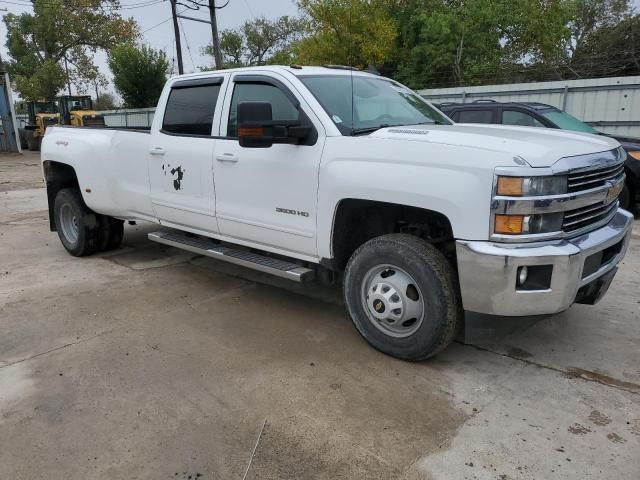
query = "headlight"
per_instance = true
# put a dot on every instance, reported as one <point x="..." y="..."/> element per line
<point x="531" y="186"/>
<point x="528" y="224"/>
<point x="635" y="154"/>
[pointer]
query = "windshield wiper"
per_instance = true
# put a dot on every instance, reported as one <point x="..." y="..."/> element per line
<point x="363" y="131"/>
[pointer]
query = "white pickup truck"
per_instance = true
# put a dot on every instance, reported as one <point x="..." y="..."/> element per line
<point x="329" y="173"/>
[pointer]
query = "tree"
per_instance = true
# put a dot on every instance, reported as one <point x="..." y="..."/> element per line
<point x="348" y="32"/>
<point x="106" y="101"/>
<point x="139" y="74"/>
<point x="590" y="15"/>
<point x="233" y="48"/>
<point x="260" y="41"/>
<point x="467" y="42"/>
<point x="54" y="45"/>
<point x="610" y="51"/>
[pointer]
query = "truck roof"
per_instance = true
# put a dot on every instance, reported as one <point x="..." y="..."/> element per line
<point x="294" y="69"/>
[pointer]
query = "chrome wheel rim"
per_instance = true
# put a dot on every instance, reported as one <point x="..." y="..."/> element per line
<point x="393" y="301"/>
<point x="69" y="223"/>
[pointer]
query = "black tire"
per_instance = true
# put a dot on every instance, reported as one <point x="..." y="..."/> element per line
<point x="627" y="198"/>
<point x="435" y="279"/>
<point x="111" y="233"/>
<point x="86" y="242"/>
<point x="23" y="139"/>
<point x="30" y="140"/>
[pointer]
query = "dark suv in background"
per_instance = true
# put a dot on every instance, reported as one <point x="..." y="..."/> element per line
<point x="532" y="114"/>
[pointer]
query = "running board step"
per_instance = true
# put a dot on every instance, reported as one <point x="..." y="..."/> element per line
<point x="209" y="248"/>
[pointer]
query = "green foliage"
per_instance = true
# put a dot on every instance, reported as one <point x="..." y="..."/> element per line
<point x="589" y="15"/>
<point x="348" y="32"/>
<point x="232" y="47"/>
<point x="139" y="74"/>
<point x="47" y="79"/>
<point x="259" y="41"/>
<point x="106" y="101"/>
<point x="612" y="50"/>
<point x="467" y="42"/>
<point x="59" y="32"/>
<point x="426" y="43"/>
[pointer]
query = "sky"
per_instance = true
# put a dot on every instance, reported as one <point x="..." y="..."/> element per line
<point x="156" y="26"/>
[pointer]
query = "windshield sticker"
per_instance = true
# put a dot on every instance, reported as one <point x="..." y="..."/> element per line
<point x="336" y="119"/>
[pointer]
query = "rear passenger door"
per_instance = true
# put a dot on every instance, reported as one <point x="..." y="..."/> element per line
<point x="181" y="156"/>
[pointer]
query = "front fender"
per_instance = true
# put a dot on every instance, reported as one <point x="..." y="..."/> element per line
<point x="452" y="180"/>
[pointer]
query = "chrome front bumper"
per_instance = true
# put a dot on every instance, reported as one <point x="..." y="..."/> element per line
<point x="488" y="270"/>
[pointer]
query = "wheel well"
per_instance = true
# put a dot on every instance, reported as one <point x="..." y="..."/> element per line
<point x="57" y="176"/>
<point x="357" y="221"/>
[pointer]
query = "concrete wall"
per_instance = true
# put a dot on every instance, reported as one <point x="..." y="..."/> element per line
<point x="611" y="105"/>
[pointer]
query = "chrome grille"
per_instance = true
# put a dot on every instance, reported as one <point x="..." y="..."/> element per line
<point x="594" y="178"/>
<point x="593" y="214"/>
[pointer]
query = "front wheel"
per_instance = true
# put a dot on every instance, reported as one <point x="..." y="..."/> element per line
<point x="402" y="296"/>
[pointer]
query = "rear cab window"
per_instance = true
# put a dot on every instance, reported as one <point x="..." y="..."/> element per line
<point x="191" y="106"/>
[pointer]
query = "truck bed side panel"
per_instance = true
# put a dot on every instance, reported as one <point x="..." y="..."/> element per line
<point x="111" y="166"/>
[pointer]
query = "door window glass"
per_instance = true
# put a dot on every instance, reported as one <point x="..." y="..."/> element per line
<point x="282" y="107"/>
<point x="190" y="110"/>
<point x="521" y="119"/>
<point x="476" y="116"/>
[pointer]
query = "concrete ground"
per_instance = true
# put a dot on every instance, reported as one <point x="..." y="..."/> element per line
<point x="152" y="363"/>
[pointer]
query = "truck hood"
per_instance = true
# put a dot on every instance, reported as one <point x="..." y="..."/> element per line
<point x="539" y="147"/>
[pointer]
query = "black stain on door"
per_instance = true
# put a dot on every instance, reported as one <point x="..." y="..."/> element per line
<point x="178" y="175"/>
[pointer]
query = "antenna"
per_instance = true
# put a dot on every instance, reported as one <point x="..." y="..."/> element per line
<point x="353" y="99"/>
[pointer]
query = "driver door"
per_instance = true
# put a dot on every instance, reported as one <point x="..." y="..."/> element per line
<point x="268" y="196"/>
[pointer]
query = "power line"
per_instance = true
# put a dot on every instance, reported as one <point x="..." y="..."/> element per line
<point x="162" y="22"/>
<point x="249" y="8"/>
<point x="146" y="3"/>
<point x="184" y="34"/>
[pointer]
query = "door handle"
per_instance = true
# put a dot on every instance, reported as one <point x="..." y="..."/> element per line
<point x="227" y="157"/>
<point x="157" y="151"/>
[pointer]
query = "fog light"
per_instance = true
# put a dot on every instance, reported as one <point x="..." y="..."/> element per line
<point x="523" y="273"/>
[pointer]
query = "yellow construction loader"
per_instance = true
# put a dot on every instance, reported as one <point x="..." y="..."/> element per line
<point x="77" y="111"/>
<point x="40" y="116"/>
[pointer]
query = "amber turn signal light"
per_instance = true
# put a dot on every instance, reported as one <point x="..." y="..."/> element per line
<point x="510" y="186"/>
<point x="250" y="132"/>
<point x="509" y="224"/>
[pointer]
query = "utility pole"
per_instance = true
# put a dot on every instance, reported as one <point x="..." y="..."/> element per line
<point x="176" y="30"/>
<point x="217" y="55"/>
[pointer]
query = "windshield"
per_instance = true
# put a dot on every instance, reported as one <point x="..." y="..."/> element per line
<point x="567" y="122"/>
<point x="44" y="107"/>
<point x="377" y="102"/>
<point x="79" y="103"/>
